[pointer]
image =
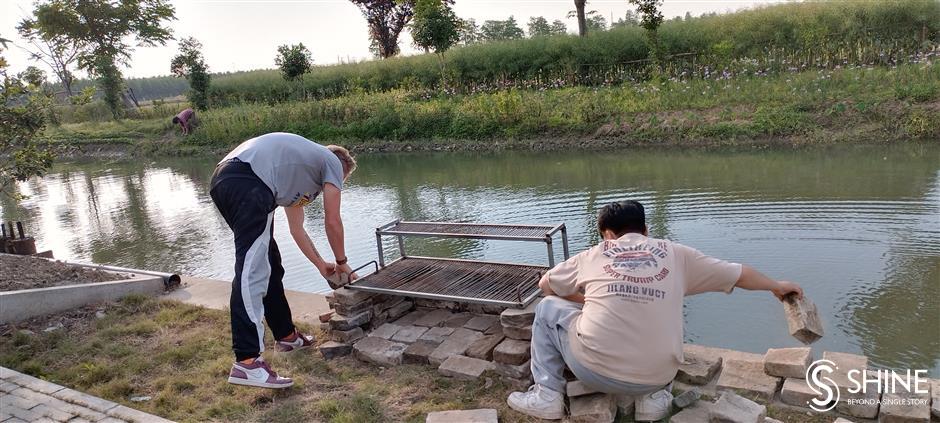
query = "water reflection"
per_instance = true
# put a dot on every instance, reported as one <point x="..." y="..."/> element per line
<point x="857" y="226"/>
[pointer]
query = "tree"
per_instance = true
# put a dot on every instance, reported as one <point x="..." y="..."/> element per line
<point x="579" y="12"/>
<point x="539" y="27"/>
<point x="435" y="27"/>
<point x="650" y="19"/>
<point x="105" y="27"/>
<point x="190" y="64"/>
<point x="501" y="30"/>
<point x="21" y="118"/>
<point x="386" y="20"/>
<point x="559" y="27"/>
<point x="630" y="19"/>
<point x="596" y="21"/>
<point x="470" y="32"/>
<point x="56" y="52"/>
<point x="294" y="61"/>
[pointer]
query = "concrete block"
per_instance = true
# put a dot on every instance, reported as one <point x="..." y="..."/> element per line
<point x="512" y="351"/>
<point x="797" y="392"/>
<point x="520" y="371"/>
<point x="697" y="413"/>
<point x="904" y="408"/>
<point x="344" y="322"/>
<point x="379" y="351"/>
<point x="481" y="322"/>
<point x="595" y="408"/>
<point x="332" y="349"/>
<point x="576" y="388"/>
<point x="457" y="320"/>
<point x="410" y="318"/>
<point x="524" y="334"/>
<point x="864" y="405"/>
<point x="456" y="344"/>
<point x="399" y="309"/>
<point x="27" y="303"/>
<point x="385" y="331"/>
<point x="435" y="317"/>
<point x="712" y="353"/>
<point x="418" y="352"/>
<point x="788" y="362"/>
<point x="32" y="383"/>
<point x="698" y="368"/>
<point x="351" y="297"/>
<point x="733" y="408"/>
<point x="463" y="367"/>
<point x="803" y="319"/>
<point x="748" y="378"/>
<point x="85" y="400"/>
<point x="131" y="415"/>
<point x="347" y="336"/>
<point x="483" y="415"/>
<point x="352" y="309"/>
<point x="325" y="317"/>
<point x="436" y="334"/>
<point x="483" y="348"/>
<point x="935" y="398"/>
<point x="409" y="334"/>
<point x="519" y="318"/>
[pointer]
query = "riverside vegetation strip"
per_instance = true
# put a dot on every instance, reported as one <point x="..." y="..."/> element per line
<point x="847" y="105"/>
<point x="180" y="354"/>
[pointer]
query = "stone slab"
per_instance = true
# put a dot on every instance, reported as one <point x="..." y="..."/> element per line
<point x="379" y="351"/>
<point x="698" y="368"/>
<point x="483" y="415"/>
<point x="347" y="336"/>
<point x="481" y="322"/>
<point x="344" y="322"/>
<point x="524" y="334"/>
<point x="697" y="413"/>
<point x="576" y="388"/>
<point x="409" y="334"/>
<point x="436" y="317"/>
<point x="687" y="398"/>
<point x="463" y="367"/>
<point x="788" y="362"/>
<point x="512" y="351"/>
<point x="418" y="352"/>
<point x="595" y="408"/>
<point x="457" y="320"/>
<point x="455" y="344"/>
<point x="350" y="296"/>
<point x="733" y="408"/>
<point x="904" y="408"/>
<point x="333" y="349"/>
<point x="843" y="363"/>
<point x="399" y="309"/>
<point x="436" y="334"/>
<point x="520" y="371"/>
<point x="483" y="348"/>
<point x="748" y="378"/>
<point x="519" y="318"/>
<point x="803" y="319"/>
<point x="935" y="398"/>
<point x="797" y="392"/>
<point x="410" y="318"/>
<point x="385" y="331"/>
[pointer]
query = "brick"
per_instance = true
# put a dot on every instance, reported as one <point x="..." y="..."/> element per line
<point x="433" y="318"/>
<point x="698" y="368"/>
<point x="379" y="351"/>
<point x="519" y="318"/>
<point x="385" y="331"/>
<point x="595" y="408"/>
<point x="481" y="322"/>
<point x="697" y="413"/>
<point x="748" y="378"/>
<point x="418" y="352"/>
<point x="130" y="414"/>
<point x="859" y="404"/>
<point x="436" y="334"/>
<point x="350" y="296"/>
<point x="712" y="353"/>
<point x="520" y="371"/>
<point x="85" y="400"/>
<point x="349" y="310"/>
<point x="325" y="317"/>
<point x="458" y="320"/>
<point x="518" y="333"/>
<point x="796" y="392"/>
<point x="512" y="351"/>
<point x="410" y="318"/>
<point x="788" y="362"/>
<point x="344" y="322"/>
<point x="463" y="367"/>
<point x="845" y="362"/>
<point x="8" y="386"/>
<point x="456" y="344"/>
<point x="400" y="309"/>
<point x="333" y="349"/>
<point x="904" y="407"/>
<point x="803" y="319"/>
<point x="483" y="415"/>
<point x="57" y="404"/>
<point x="483" y="348"/>
<point x="576" y="388"/>
<point x="494" y="329"/>
<point x="733" y="408"/>
<point x="33" y="383"/>
<point x="409" y="334"/>
<point x="10" y="402"/>
<point x="347" y="336"/>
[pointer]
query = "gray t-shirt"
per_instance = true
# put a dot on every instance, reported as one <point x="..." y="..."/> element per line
<point x="294" y="167"/>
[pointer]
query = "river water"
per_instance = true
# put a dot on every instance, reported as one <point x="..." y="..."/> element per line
<point x="858" y="227"/>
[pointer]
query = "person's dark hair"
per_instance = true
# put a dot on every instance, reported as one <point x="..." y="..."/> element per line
<point x="176" y="120"/>
<point x="622" y="217"/>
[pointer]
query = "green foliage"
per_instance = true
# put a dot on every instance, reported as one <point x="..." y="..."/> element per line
<point x="539" y="27"/>
<point x="651" y="17"/>
<point x="386" y="20"/>
<point x="294" y="61"/>
<point x="469" y="32"/>
<point x="496" y="30"/>
<point x="435" y="26"/>
<point x="190" y="64"/>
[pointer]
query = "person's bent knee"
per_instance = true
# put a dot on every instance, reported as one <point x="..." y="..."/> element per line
<point x="547" y="311"/>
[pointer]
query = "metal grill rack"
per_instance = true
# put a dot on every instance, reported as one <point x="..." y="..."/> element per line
<point x="450" y="279"/>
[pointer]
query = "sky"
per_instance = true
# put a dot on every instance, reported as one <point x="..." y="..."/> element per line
<point x="244" y="34"/>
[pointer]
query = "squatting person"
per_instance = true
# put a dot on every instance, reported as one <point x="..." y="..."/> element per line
<point x="185" y="120"/>
<point x="613" y="315"/>
<point x="261" y="174"/>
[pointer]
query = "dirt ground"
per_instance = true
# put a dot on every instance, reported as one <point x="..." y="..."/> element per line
<point x="23" y="272"/>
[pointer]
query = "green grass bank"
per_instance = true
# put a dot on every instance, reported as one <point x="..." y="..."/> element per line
<point x="855" y="105"/>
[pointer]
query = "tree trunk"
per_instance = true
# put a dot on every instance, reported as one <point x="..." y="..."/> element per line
<point x="582" y="21"/>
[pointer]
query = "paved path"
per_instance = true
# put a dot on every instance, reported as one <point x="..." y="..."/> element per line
<point x="24" y="398"/>
<point x="213" y="293"/>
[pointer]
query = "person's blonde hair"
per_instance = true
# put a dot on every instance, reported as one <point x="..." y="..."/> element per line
<point x="349" y="162"/>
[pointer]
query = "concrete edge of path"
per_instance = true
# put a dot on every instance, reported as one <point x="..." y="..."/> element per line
<point x="213" y="293"/>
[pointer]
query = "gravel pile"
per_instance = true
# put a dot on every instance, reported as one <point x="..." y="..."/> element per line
<point x="23" y="272"/>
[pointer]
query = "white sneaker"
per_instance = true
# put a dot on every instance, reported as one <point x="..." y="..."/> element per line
<point x="258" y="374"/>
<point x="652" y="407"/>
<point x="539" y="402"/>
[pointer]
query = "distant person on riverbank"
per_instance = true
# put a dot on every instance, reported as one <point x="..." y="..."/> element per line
<point x="260" y="175"/>
<point x="185" y="120"/>
<point x="613" y="315"/>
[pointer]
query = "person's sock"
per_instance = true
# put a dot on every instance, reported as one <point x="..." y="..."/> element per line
<point x="290" y="338"/>
<point x="248" y="361"/>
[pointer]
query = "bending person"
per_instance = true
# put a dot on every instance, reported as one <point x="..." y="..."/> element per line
<point x="613" y="315"/>
<point x="261" y="174"/>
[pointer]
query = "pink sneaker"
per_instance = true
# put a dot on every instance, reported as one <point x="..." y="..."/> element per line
<point x="258" y="374"/>
<point x="302" y="341"/>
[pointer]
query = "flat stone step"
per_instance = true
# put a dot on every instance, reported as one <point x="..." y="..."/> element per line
<point x="733" y="408"/>
<point x="748" y="378"/>
<point x="463" y="367"/>
<point x="483" y="415"/>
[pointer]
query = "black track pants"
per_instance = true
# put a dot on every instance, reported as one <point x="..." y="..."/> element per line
<point x="247" y="205"/>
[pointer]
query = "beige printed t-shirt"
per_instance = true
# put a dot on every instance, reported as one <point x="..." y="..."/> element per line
<point x="631" y="325"/>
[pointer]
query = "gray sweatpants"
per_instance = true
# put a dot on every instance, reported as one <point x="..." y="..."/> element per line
<point x="551" y="352"/>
